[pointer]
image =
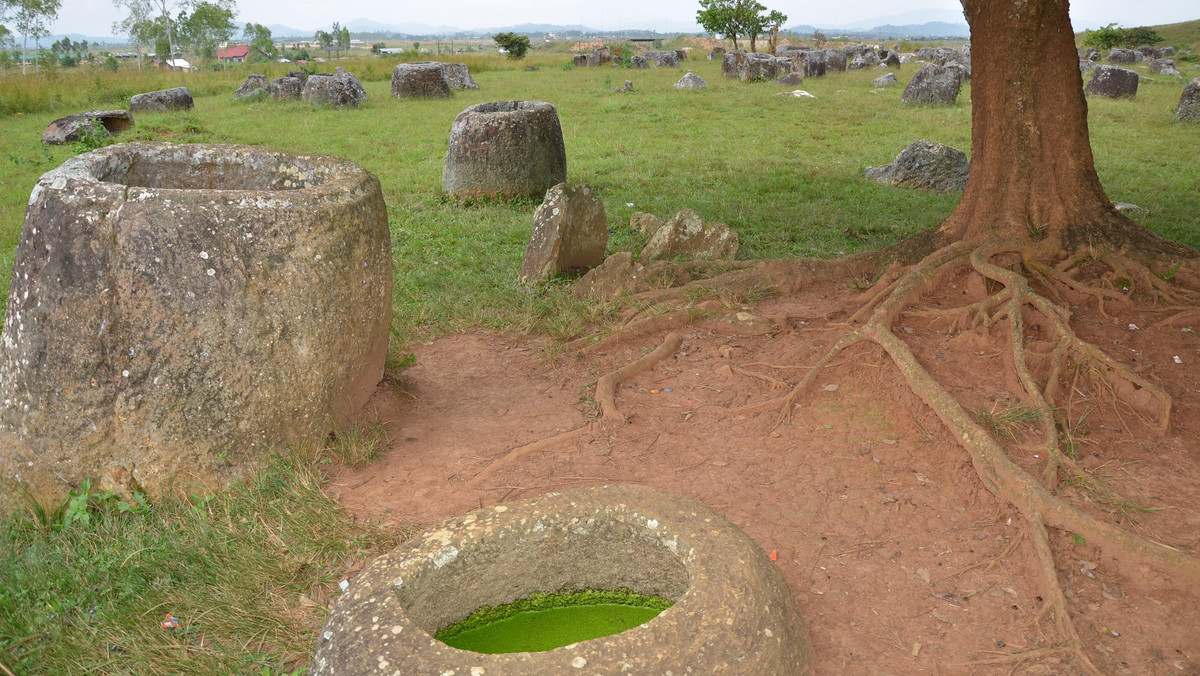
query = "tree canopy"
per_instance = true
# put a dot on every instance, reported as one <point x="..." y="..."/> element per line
<point x="262" y="45"/>
<point x="32" y="19"/>
<point x="739" y="18"/>
<point x="208" y="25"/>
<point x="516" y="45"/>
<point x="1113" y="35"/>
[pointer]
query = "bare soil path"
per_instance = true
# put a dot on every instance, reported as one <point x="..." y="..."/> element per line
<point x="898" y="557"/>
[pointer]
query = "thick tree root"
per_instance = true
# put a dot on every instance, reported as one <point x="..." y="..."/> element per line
<point x="522" y="451"/>
<point x="1033" y="497"/>
<point x="606" y="389"/>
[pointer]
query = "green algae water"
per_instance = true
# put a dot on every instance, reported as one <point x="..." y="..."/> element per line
<point x="548" y="621"/>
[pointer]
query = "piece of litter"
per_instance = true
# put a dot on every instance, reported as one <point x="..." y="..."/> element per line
<point x="916" y="649"/>
<point x="774" y="555"/>
<point x="798" y="93"/>
<point x="629" y="204"/>
<point x="668" y="389"/>
<point x="653" y="391"/>
<point x="1177" y="359"/>
<point x="1133" y="327"/>
<point x="832" y="387"/>
<point x="1187" y="330"/>
<point x="171" y="622"/>
<point x="344" y="585"/>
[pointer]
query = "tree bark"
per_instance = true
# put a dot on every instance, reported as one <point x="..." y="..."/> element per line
<point x="1032" y="172"/>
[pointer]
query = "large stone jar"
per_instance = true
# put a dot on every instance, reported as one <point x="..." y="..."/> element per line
<point x="732" y="612"/>
<point x="505" y="149"/>
<point x="175" y="310"/>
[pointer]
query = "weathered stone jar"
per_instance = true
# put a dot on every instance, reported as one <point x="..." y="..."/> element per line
<point x="174" y="309"/>
<point x="732" y="612"/>
<point x="505" y="149"/>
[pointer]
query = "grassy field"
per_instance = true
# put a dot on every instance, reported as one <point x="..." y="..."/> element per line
<point x="248" y="571"/>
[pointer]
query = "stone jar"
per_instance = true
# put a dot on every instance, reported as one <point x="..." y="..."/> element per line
<point x="505" y="149"/>
<point x="176" y="310"/>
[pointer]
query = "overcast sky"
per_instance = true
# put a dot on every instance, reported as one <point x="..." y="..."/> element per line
<point x="95" y="17"/>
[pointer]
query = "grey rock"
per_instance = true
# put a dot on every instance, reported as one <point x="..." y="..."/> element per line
<point x="926" y="53"/>
<point x="161" y="101"/>
<point x="580" y="60"/>
<point x="1119" y="55"/>
<point x="733" y="612"/>
<point x="752" y="66"/>
<point x="886" y="80"/>
<point x="790" y="80"/>
<point x="892" y="60"/>
<point x="933" y="84"/>
<point x="716" y="53"/>
<point x="835" y="60"/>
<point x="1149" y="52"/>
<point x="72" y="128"/>
<point x="668" y="59"/>
<point x="177" y="310"/>
<point x="421" y="79"/>
<point x="926" y="165"/>
<point x="1086" y="66"/>
<point x="1162" y="67"/>
<point x="1168" y="52"/>
<point x="1189" y="103"/>
<point x="505" y="149"/>
<point x="570" y="233"/>
<point x="1113" y="82"/>
<point x="338" y="90"/>
<point x="691" y="81"/>
<point x="685" y="234"/>
<point x="299" y="75"/>
<point x="255" y="86"/>
<point x="287" y="88"/>
<point x="639" y="61"/>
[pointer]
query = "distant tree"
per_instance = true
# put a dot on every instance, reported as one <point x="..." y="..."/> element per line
<point x="324" y="39"/>
<point x="1142" y="35"/>
<point x="111" y="65"/>
<point x="819" y="38"/>
<point x="775" y="19"/>
<point x="717" y="18"/>
<point x="1104" y="38"/>
<point x="342" y="36"/>
<point x="140" y="24"/>
<point x="209" y="24"/>
<point x="378" y="47"/>
<point x="32" y="19"/>
<point x="262" y="46"/>
<point x="517" y="46"/>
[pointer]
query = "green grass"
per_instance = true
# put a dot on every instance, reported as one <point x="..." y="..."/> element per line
<point x="786" y="173"/>
<point x="246" y="572"/>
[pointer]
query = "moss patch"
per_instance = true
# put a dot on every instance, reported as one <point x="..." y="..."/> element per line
<point x="547" y="621"/>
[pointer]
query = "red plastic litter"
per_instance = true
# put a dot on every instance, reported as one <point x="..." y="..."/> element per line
<point x="171" y="622"/>
<point x="774" y="555"/>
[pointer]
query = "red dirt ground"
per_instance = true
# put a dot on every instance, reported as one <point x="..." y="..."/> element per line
<point x="889" y="541"/>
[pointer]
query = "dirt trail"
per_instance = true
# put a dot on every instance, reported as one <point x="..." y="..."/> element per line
<point x="898" y="557"/>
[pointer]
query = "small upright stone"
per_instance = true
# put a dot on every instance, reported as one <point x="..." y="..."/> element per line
<point x="1113" y="82"/>
<point x="691" y="81"/>
<point x="161" y="101"/>
<point x="1189" y="103"/>
<point x="570" y="232"/>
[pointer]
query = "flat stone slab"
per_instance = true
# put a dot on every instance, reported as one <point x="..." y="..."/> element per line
<point x="733" y="612"/>
<point x="162" y="101"/>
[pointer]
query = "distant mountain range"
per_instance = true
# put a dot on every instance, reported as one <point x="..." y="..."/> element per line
<point x="926" y="23"/>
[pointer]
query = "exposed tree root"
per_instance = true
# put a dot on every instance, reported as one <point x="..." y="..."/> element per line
<point x="1034" y="497"/>
<point x="522" y="451"/>
<point x="606" y="389"/>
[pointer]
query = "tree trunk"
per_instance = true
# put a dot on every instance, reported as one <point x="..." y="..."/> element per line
<point x="1032" y="173"/>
